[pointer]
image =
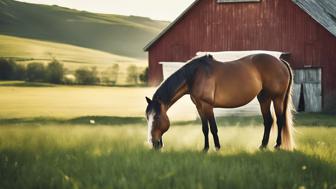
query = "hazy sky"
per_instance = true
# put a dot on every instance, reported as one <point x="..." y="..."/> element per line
<point x="156" y="9"/>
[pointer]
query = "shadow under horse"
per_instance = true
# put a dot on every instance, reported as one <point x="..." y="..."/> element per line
<point x="213" y="84"/>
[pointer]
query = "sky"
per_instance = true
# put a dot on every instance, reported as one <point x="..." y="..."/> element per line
<point x="156" y="9"/>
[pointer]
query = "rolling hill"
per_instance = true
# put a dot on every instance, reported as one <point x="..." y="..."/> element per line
<point x="120" y="35"/>
<point x="25" y="51"/>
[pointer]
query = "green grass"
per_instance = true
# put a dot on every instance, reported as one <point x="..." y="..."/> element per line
<point x="230" y="121"/>
<point x="117" y="157"/>
<point x="121" y="35"/>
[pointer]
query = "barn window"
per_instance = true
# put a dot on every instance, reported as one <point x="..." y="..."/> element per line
<point x="236" y="1"/>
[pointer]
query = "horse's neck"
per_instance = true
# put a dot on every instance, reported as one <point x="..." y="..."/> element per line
<point x="180" y="92"/>
<point x="170" y="99"/>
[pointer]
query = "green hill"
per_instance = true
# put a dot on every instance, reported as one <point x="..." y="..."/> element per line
<point x="25" y="51"/>
<point x="121" y="35"/>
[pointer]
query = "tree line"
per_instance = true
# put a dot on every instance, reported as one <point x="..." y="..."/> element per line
<point x="54" y="72"/>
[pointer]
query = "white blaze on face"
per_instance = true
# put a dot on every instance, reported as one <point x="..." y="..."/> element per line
<point x="150" y="125"/>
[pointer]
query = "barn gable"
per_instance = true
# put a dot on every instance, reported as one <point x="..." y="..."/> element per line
<point x="324" y="12"/>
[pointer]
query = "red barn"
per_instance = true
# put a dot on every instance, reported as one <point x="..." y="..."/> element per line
<point x="306" y="29"/>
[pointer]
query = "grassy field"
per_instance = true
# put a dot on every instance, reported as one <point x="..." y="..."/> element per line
<point x="82" y="156"/>
<point x="69" y="101"/>
<point x="48" y="140"/>
<point x="29" y="50"/>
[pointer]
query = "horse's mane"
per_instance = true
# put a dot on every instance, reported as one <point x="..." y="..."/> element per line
<point x="182" y="76"/>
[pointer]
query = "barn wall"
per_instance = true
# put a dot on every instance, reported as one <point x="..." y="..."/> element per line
<point x="277" y="25"/>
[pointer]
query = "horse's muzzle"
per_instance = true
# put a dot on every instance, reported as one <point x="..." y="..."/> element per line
<point x="157" y="144"/>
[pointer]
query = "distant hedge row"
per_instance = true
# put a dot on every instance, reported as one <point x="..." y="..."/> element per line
<point x="34" y="72"/>
<point x="54" y="72"/>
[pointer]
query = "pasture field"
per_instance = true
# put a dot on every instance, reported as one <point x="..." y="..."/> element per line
<point x="20" y="100"/>
<point x="72" y="137"/>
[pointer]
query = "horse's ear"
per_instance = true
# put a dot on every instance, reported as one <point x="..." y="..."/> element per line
<point x="148" y="100"/>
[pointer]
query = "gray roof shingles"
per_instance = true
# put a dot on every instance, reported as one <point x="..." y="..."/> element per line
<point x="323" y="11"/>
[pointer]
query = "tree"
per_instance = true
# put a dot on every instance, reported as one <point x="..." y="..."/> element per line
<point x="7" y="69"/>
<point x="54" y="72"/>
<point x="110" y="75"/>
<point x="35" y="72"/>
<point x="86" y="76"/>
<point x="132" y="75"/>
<point x="144" y="76"/>
<point x="20" y="72"/>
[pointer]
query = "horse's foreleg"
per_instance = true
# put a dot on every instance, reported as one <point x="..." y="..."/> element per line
<point x="205" y="127"/>
<point x="214" y="130"/>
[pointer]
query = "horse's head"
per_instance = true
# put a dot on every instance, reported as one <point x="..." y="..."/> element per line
<point x="158" y="122"/>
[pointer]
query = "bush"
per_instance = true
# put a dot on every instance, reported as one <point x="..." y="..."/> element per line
<point x="86" y="76"/>
<point x="20" y="72"/>
<point x="54" y="72"/>
<point x="35" y="72"/>
<point x="110" y="75"/>
<point x="7" y="69"/>
<point x="143" y="77"/>
<point x="132" y="75"/>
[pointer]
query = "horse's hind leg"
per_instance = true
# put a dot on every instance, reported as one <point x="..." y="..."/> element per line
<point x="280" y="114"/>
<point x="265" y="106"/>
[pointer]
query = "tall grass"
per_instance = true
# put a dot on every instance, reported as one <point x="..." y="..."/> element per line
<point x="118" y="157"/>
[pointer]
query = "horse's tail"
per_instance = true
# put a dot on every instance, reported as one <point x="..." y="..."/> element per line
<point x="287" y="131"/>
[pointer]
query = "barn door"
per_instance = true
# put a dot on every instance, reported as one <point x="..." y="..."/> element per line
<point x="307" y="95"/>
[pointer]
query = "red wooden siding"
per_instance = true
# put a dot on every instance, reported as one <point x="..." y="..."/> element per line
<point x="277" y="25"/>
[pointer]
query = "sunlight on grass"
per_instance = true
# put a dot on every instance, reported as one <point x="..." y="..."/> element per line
<point x="70" y="101"/>
<point x="101" y="139"/>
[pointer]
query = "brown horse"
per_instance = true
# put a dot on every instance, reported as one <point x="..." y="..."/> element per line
<point x="227" y="85"/>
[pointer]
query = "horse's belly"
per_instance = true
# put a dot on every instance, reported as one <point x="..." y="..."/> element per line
<point x="232" y="96"/>
<point x="233" y="102"/>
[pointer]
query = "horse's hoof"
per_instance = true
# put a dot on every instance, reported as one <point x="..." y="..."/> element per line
<point x="205" y="150"/>
<point x="262" y="147"/>
<point x="217" y="148"/>
<point x="277" y="147"/>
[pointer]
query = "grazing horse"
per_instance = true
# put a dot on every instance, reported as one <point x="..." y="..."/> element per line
<point x="213" y="84"/>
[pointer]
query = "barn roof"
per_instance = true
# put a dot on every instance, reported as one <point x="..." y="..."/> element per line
<point x="323" y="11"/>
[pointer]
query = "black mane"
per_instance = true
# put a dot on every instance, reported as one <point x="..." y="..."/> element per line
<point x="182" y="76"/>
